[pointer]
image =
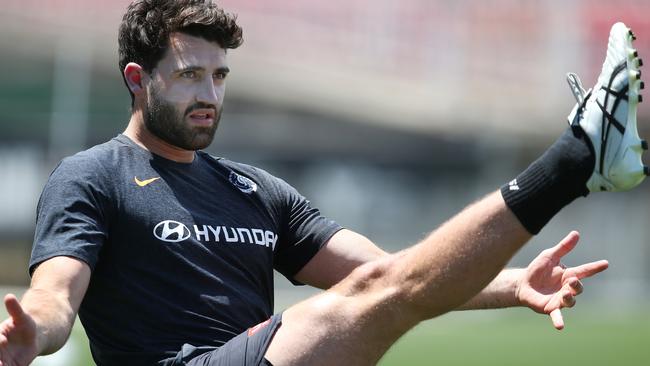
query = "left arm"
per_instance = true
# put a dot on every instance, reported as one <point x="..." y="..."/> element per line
<point x="498" y="294"/>
<point x="545" y="286"/>
<point x="345" y="251"/>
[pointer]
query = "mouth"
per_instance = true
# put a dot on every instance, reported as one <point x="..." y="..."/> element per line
<point x="202" y="117"/>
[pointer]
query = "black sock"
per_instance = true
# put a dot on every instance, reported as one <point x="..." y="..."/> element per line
<point x="551" y="182"/>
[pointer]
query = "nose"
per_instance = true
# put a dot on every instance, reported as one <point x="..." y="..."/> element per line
<point x="210" y="93"/>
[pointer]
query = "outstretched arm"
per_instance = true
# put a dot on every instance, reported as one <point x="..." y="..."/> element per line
<point x="41" y="322"/>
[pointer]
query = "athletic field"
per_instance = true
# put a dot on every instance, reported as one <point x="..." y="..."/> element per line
<point x="520" y="337"/>
<point x="501" y="337"/>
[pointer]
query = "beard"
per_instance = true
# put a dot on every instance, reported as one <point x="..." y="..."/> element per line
<point x="164" y="121"/>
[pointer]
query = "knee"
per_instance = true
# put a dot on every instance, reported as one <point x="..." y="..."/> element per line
<point x="381" y="289"/>
<point x="378" y="284"/>
<point x="369" y="277"/>
<point x="385" y="285"/>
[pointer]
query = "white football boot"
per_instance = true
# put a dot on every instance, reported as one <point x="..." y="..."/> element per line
<point x="607" y="114"/>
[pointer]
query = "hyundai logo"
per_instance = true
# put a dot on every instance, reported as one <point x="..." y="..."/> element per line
<point x="171" y="231"/>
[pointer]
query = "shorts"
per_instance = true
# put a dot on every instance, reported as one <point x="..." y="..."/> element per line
<point x="246" y="349"/>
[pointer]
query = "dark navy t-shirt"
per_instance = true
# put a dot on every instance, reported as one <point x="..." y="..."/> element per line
<point x="180" y="253"/>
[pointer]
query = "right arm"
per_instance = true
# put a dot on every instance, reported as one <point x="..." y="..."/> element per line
<point x="41" y="322"/>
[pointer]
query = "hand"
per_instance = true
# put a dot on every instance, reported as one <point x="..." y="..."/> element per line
<point x="548" y="286"/>
<point x="17" y="335"/>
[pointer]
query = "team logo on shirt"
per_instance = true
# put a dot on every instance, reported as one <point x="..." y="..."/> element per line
<point x="171" y="231"/>
<point x="242" y="183"/>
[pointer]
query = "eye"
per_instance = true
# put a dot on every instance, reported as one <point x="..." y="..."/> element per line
<point x="188" y="74"/>
<point x="219" y="75"/>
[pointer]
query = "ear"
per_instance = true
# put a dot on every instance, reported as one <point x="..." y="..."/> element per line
<point x="133" y="74"/>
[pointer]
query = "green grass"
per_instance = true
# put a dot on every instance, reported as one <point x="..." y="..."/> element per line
<point x="519" y="337"/>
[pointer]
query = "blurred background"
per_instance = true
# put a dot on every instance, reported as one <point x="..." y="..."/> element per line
<point x="390" y="116"/>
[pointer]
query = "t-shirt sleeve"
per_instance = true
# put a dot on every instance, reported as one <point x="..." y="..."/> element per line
<point x="70" y="218"/>
<point x="304" y="233"/>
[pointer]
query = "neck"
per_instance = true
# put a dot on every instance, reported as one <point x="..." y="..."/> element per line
<point x="138" y="132"/>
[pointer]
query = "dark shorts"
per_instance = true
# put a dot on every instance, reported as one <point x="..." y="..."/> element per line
<point x="246" y="349"/>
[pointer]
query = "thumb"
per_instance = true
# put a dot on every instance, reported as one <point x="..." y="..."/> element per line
<point x="14" y="309"/>
<point x="556" y="318"/>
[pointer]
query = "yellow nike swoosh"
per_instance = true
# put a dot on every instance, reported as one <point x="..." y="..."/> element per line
<point x="143" y="183"/>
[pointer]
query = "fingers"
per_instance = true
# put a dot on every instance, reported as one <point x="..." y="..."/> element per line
<point x="567" y="295"/>
<point x="565" y="245"/>
<point x="13" y="307"/>
<point x="570" y="290"/>
<point x="565" y="298"/>
<point x="556" y="318"/>
<point x="576" y="286"/>
<point x="589" y="269"/>
<point x="572" y="286"/>
<point x="568" y="300"/>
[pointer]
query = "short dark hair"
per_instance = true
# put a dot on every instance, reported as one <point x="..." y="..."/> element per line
<point x="147" y="24"/>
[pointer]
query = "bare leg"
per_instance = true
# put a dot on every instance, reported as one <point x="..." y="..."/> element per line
<point x="355" y="322"/>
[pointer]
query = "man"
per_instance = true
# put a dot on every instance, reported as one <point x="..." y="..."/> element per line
<point x="167" y="253"/>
